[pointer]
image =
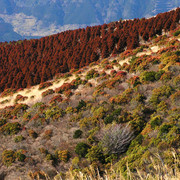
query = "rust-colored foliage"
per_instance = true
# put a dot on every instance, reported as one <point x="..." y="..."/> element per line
<point x="56" y="99"/>
<point x="65" y="87"/>
<point x="35" y="61"/>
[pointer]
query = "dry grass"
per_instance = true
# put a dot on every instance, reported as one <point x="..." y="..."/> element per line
<point x="160" y="171"/>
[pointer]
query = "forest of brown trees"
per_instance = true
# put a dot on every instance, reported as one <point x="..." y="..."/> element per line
<point x="30" y="62"/>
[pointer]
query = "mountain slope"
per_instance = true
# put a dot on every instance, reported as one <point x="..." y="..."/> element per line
<point x="42" y="18"/>
<point x="120" y="114"/>
<point x="26" y="63"/>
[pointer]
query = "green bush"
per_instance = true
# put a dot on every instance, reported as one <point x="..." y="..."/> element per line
<point x="156" y="121"/>
<point x="99" y="112"/>
<point x="135" y="143"/>
<point x="177" y="33"/>
<point x="159" y="74"/>
<point x="77" y="134"/>
<point x="75" y="162"/>
<point x="19" y="109"/>
<point x="27" y="116"/>
<point x="10" y="128"/>
<point x="49" y="157"/>
<point x="18" y="138"/>
<point x="148" y="76"/>
<point x="133" y="59"/>
<point x="47" y="92"/>
<point x="139" y="98"/>
<point x="175" y="98"/>
<point x="116" y="112"/>
<point x="91" y="74"/>
<point x="20" y="156"/>
<point x="54" y="113"/>
<point x="82" y="149"/>
<point x="81" y="105"/>
<point x="173" y="137"/>
<point x="8" y="157"/>
<point x="113" y="116"/>
<point x="164" y="129"/>
<point x="108" y="119"/>
<point x="137" y="123"/>
<point x="177" y="53"/>
<point x="2" y="122"/>
<point x="63" y="155"/>
<point x="95" y="154"/>
<point x="160" y="94"/>
<point x="162" y="107"/>
<point x="43" y="151"/>
<point x="176" y="81"/>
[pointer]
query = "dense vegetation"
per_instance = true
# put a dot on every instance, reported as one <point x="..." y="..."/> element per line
<point x="29" y="62"/>
<point x="114" y="119"/>
<point x="117" y="118"/>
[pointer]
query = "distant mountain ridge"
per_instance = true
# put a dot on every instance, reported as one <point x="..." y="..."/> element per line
<point x="46" y="17"/>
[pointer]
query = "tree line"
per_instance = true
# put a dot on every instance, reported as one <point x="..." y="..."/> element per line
<point x="30" y="62"/>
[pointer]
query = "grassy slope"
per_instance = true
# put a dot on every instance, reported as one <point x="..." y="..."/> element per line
<point x="146" y="97"/>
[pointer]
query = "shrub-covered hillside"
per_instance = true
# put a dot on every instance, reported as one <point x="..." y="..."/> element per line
<point x="30" y="62"/>
<point x="116" y="118"/>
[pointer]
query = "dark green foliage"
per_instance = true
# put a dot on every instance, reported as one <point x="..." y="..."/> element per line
<point x="148" y="76"/>
<point x="81" y="105"/>
<point x="49" y="157"/>
<point x="177" y="33"/>
<point x="20" y="157"/>
<point x="135" y="142"/>
<point x="19" y="109"/>
<point x="164" y="129"/>
<point x="77" y="134"/>
<point x="160" y="94"/>
<point x="113" y="116"/>
<point x="133" y="59"/>
<point x="156" y="121"/>
<point x="125" y="117"/>
<point x="82" y="149"/>
<point x="2" y="122"/>
<point x="95" y="154"/>
<point x="116" y="112"/>
<point x="92" y="74"/>
<point x="139" y="98"/>
<point x="138" y="123"/>
<point x="136" y="82"/>
<point x="151" y="76"/>
<point x="8" y="157"/>
<point x="159" y="74"/>
<point x="53" y="113"/>
<point x="177" y="53"/>
<point x="18" y="138"/>
<point x="108" y="119"/>
<point x="139" y="139"/>
<point x="47" y="92"/>
<point x="10" y="128"/>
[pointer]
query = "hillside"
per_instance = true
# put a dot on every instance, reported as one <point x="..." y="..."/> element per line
<point x="30" y="62"/>
<point x="45" y="17"/>
<point x="117" y="117"/>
